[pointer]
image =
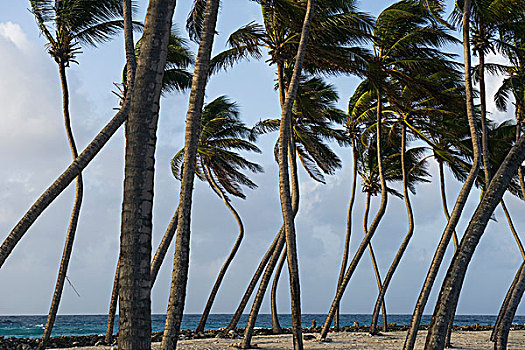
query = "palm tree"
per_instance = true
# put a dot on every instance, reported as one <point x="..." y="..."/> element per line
<point x="405" y="40"/>
<point x="176" y="78"/>
<point x="284" y="182"/>
<point x="336" y="29"/>
<point x="222" y="133"/>
<point x="67" y="25"/>
<point x="193" y="122"/>
<point x="462" y="196"/>
<point x="314" y="118"/>
<point x="141" y="127"/>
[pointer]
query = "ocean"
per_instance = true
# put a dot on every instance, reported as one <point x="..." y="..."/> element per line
<point x="68" y="325"/>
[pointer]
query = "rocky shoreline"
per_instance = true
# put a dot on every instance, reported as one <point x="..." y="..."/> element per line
<point x="10" y="343"/>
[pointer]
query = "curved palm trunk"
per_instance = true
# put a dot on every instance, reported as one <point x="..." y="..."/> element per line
<point x="505" y="304"/>
<point x="374" y="262"/>
<point x="462" y="196"/>
<point x="369" y="234"/>
<point x="519" y="121"/>
<point x="452" y="284"/>
<point x="513" y="229"/>
<point x="444" y="202"/>
<point x="136" y="227"/>
<point x="222" y="272"/>
<point x="284" y="182"/>
<point x="280" y="242"/>
<point x="269" y="253"/>
<point x="454" y="237"/>
<point x="346" y="251"/>
<point x="276" y="327"/>
<point x="154" y="271"/>
<point x="112" y="308"/>
<point x="483" y="112"/>
<point x="163" y="247"/>
<point x="253" y="283"/>
<point x="404" y="244"/>
<point x="73" y="221"/>
<point x="193" y="121"/>
<point x="502" y="332"/>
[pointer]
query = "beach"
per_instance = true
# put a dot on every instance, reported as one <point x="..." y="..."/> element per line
<point x="472" y="340"/>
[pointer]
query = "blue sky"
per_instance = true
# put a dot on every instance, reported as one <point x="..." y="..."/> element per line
<point x="33" y="151"/>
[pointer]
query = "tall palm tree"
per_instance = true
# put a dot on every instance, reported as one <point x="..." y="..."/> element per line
<point x="222" y="133"/>
<point x="141" y="127"/>
<point x="337" y="29"/>
<point x="463" y="194"/>
<point x="67" y="25"/>
<point x="193" y="122"/>
<point x="284" y="181"/>
<point x="405" y="39"/>
<point x="176" y="78"/>
<point x="314" y="121"/>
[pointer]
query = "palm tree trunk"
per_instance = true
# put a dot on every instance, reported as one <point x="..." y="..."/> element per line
<point x="454" y="237"/>
<point x="276" y="327"/>
<point x="404" y="244"/>
<point x="444" y="202"/>
<point x="346" y="251"/>
<point x="373" y="258"/>
<point x="162" y="249"/>
<point x="519" y="121"/>
<point x="193" y="121"/>
<point x="462" y="196"/>
<point x="141" y="130"/>
<point x="222" y="272"/>
<point x="253" y="283"/>
<point x="112" y="308"/>
<point x="513" y="229"/>
<point x="451" y="286"/>
<point x="504" y="306"/>
<point x="502" y="332"/>
<point x="483" y="111"/>
<point x="280" y="242"/>
<point x="371" y="231"/>
<point x="284" y="183"/>
<point x="73" y="221"/>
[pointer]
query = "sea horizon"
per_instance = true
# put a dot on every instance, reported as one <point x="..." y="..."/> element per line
<point x="32" y="326"/>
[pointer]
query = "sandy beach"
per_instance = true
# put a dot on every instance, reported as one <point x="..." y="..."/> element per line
<point x="475" y="340"/>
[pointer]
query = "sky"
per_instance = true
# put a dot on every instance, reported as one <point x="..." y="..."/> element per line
<point x="34" y="151"/>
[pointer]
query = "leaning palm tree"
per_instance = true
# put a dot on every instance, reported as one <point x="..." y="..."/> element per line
<point x="314" y="121"/>
<point x="405" y="42"/>
<point x="176" y="77"/>
<point x="66" y="25"/>
<point x="337" y="29"/>
<point x="193" y="122"/>
<point x="222" y="133"/>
